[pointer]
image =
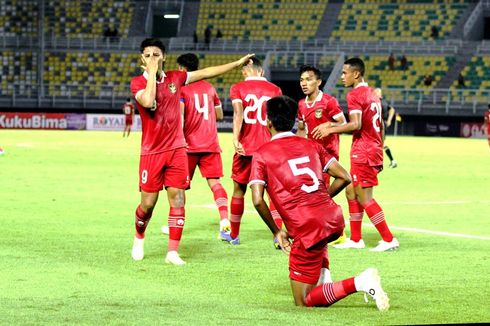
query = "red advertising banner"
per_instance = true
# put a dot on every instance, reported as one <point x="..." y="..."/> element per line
<point x="16" y="120"/>
<point x="473" y="130"/>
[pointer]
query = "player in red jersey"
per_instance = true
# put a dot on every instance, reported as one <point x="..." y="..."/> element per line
<point x="366" y="125"/>
<point x="249" y="133"/>
<point x="201" y="107"/>
<point x="163" y="160"/>
<point x="487" y="122"/>
<point x="128" y="110"/>
<point x="291" y="168"/>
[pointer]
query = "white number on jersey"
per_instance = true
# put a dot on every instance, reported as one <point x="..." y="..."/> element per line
<point x="293" y="164"/>
<point x="255" y="105"/>
<point x="377" y="115"/>
<point x="127" y="109"/>
<point x="205" y="108"/>
<point x="144" y="176"/>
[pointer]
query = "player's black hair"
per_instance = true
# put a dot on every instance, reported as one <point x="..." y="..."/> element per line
<point x="189" y="61"/>
<point x="128" y="99"/>
<point x="281" y="112"/>
<point x="489" y="106"/>
<point x="356" y="64"/>
<point x="315" y="70"/>
<point x="152" y="42"/>
<point x="254" y="62"/>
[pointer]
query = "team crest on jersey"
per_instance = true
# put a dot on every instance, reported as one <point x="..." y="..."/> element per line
<point x="318" y="113"/>
<point x="172" y="88"/>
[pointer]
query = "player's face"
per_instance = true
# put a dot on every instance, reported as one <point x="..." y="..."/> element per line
<point x="348" y="76"/>
<point x="309" y="83"/>
<point x="155" y="52"/>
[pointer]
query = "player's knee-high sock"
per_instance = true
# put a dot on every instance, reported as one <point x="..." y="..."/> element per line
<point x="355" y="219"/>
<point x="329" y="293"/>
<point x="176" y="221"/>
<point x="275" y="214"/>
<point x="377" y="216"/>
<point x="388" y="152"/>
<point x="236" y="211"/>
<point x="221" y="200"/>
<point x="141" y="221"/>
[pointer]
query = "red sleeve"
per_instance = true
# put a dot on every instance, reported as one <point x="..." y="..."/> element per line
<point x="235" y="93"/>
<point x="279" y="91"/>
<point x="325" y="158"/>
<point x="258" y="172"/>
<point x="352" y="103"/>
<point x="333" y="107"/>
<point x="300" y="112"/>
<point x="137" y="84"/>
<point x="217" y="101"/>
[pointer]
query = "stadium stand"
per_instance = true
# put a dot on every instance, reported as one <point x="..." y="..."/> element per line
<point x="262" y="19"/>
<point x="396" y="21"/>
<point x="19" y="73"/>
<point x="18" y="17"/>
<point x="476" y="80"/>
<point x="87" y="18"/>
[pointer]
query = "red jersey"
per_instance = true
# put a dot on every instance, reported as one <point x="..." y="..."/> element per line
<point x="324" y="108"/>
<point x="367" y="144"/>
<point x="487" y="117"/>
<point x="291" y="168"/>
<point x="253" y="93"/>
<point x="162" y="127"/>
<point x="128" y="109"/>
<point x="200" y="99"/>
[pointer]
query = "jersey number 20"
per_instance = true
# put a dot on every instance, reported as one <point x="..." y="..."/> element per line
<point x="255" y="105"/>
<point x="376" y="107"/>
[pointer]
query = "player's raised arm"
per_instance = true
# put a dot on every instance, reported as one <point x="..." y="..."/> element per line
<point x="152" y="64"/>
<point x="214" y="71"/>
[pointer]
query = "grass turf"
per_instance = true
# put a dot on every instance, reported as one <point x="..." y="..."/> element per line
<point x="67" y="204"/>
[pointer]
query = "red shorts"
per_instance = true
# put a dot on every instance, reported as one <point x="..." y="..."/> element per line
<point x="210" y="165"/>
<point x="364" y="175"/>
<point x="167" y="169"/>
<point x="305" y="264"/>
<point x="241" y="168"/>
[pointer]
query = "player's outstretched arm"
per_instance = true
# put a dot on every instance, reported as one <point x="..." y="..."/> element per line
<point x="341" y="178"/>
<point x="214" y="71"/>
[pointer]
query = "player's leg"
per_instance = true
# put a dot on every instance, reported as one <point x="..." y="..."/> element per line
<point x="176" y="180"/>
<point x="355" y="219"/>
<point x="374" y="210"/>
<point x="143" y="216"/>
<point x="387" y="150"/>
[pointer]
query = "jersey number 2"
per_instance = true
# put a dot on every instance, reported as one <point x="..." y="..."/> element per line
<point x="376" y="107"/>
<point x="293" y="164"/>
<point x="255" y="105"/>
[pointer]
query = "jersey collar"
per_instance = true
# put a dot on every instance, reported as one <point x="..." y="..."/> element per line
<point x="255" y="78"/>
<point x="362" y="84"/>
<point x="282" y="135"/>
<point x="145" y="74"/>
<point x="318" y="98"/>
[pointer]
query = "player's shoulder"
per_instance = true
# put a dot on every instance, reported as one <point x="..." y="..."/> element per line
<point x="175" y="74"/>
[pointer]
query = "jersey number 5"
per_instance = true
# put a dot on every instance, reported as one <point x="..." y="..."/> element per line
<point x="204" y="109"/>
<point x="293" y="164"/>
<point x="255" y="105"/>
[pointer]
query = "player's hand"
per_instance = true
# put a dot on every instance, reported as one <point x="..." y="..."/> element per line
<point x="322" y="130"/>
<point x="283" y="238"/>
<point x="152" y="64"/>
<point x="388" y="124"/>
<point x="238" y="147"/>
<point x="245" y="60"/>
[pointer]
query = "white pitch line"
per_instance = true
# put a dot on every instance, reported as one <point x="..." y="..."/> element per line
<point x="401" y="228"/>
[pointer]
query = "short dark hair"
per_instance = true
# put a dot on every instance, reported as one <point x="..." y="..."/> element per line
<point x="313" y="69"/>
<point x="256" y="63"/>
<point x="128" y="100"/>
<point x="281" y="112"/>
<point x="189" y="61"/>
<point x="357" y="64"/>
<point x="152" y="42"/>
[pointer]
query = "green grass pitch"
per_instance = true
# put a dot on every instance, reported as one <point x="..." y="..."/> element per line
<point x="67" y="202"/>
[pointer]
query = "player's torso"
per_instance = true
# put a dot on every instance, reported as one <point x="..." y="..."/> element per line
<point x="200" y="117"/>
<point x="128" y="109"/>
<point x="254" y="95"/>
<point x="314" y="114"/>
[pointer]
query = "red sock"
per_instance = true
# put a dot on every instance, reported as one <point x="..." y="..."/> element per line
<point x="275" y="214"/>
<point x="176" y="221"/>
<point x="221" y="200"/>
<point x="141" y="221"/>
<point x="327" y="294"/>
<point x="355" y="212"/>
<point x="236" y="211"/>
<point x="377" y="216"/>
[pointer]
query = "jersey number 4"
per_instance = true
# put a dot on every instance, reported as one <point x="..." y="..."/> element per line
<point x="293" y="164"/>
<point x="255" y="105"/>
<point x="204" y="109"/>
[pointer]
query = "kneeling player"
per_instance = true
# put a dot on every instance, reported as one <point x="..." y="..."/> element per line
<point x="291" y="168"/>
